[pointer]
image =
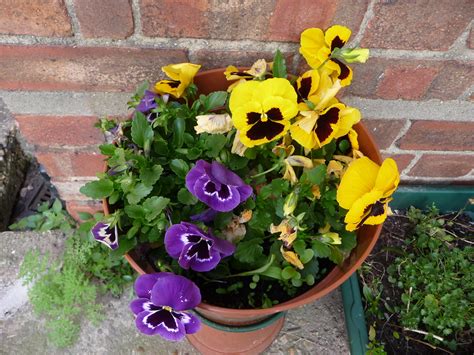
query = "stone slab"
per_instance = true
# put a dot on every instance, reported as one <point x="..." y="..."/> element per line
<point x="317" y="328"/>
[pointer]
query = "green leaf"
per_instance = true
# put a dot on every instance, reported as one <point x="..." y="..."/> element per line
<point x="250" y="251"/>
<point x="154" y="206"/>
<point x="137" y="193"/>
<point x="288" y="273"/>
<point x="141" y="130"/>
<point x="179" y="126"/>
<point x="85" y="216"/>
<point x="315" y="175"/>
<point x="135" y="211"/>
<point x="179" y="167"/>
<point x="372" y="333"/>
<point x="186" y="198"/>
<point x="213" y="144"/>
<point x="57" y="206"/>
<point x="216" y="99"/>
<point x="320" y="249"/>
<point x="149" y="176"/>
<point x="279" y="65"/>
<point x="348" y="241"/>
<point x="273" y="272"/>
<point x="141" y="88"/>
<point x="98" y="189"/>
<point x="107" y="149"/>
<point x="306" y="256"/>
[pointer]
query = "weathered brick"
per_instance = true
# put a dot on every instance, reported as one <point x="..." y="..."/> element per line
<point x="56" y="132"/>
<point x="452" y="81"/>
<point x="384" y="131"/>
<point x="367" y="77"/>
<point x="105" y="18"/>
<point x="221" y="59"/>
<point x="402" y="160"/>
<point x="406" y="82"/>
<point x="69" y="190"/>
<point x="74" y="207"/>
<point x="470" y="39"/>
<point x="443" y="165"/>
<point x="39" y="18"/>
<point x="71" y="164"/>
<point x="291" y="17"/>
<point x="174" y="18"/>
<point x="82" y="68"/>
<point x="439" y="135"/>
<point x="428" y="24"/>
<point x="350" y="13"/>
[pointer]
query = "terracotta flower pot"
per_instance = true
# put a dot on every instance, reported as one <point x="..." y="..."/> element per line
<point x="249" y="331"/>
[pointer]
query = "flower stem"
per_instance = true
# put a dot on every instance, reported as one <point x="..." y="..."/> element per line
<point x="276" y="166"/>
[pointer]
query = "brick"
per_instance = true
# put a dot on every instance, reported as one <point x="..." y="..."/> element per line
<point x="75" y="206"/>
<point x="240" y="19"/>
<point x="56" y="132"/>
<point x="384" y="131"/>
<point x="418" y="25"/>
<point x="350" y="13"/>
<point x="439" y="135"/>
<point x="470" y="39"/>
<point x="69" y="190"/>
<point x="221" y="59"/>
<point x="174" y="18"/>
<point x="38" y="18"/>
<point x="453" y="80"/>
<point x="367" y="77"/>
<point x="60" y="165"/>
<point x="406" y="82"/>
<point x="402" y="160"/>
<point x="105" y="18"/>
<point x="82" y="68"/>
<point x="443" y="165"/>
<point x="291" y="17"/>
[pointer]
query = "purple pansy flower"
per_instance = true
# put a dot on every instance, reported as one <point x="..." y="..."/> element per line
<point x="162" y="299"/>
<point x="217" y="186"/>
<point x="106" y="235"/>
<point x="205" y="216"/>
<point x="148" y="102"/>
<point x="194" y="248"/>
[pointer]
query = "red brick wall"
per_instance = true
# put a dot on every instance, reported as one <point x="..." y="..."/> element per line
<point x="416" y="91"/>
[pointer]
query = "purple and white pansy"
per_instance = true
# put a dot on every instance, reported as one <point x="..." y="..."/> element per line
<point x="194" y="248"/>
<point x="162" y="299"/>
<point x="218" y="187"/>
<point x="103" y="233"/>
<point x="148" y="103"/>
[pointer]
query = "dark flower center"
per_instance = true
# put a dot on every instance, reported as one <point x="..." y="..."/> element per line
<point x="166" y="317"/>
<point x="337" y="42"/>
<point x="223" y="193"/>
<point x="344" y="69"/>
<point x="373" y="210"/>
<point x="305" y="88"/>
<point x="323" y="125"/>
<point x="265" y="128"/>
<point x="201" y="248"/>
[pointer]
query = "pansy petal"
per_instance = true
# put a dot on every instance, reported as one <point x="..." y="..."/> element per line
<point x="245" y="192"/>
<point x="358" y="180"/>
<point x="224" y="175"/>
<point x="142" y="304"/>
<point x="195" y="173"/>
<point x="160" y="322"/>
<point x="222" y="198"/>
<point x="191" y="323"/>
<point x="144" y="283"/>
<point x="206" y="216"/>
<point x="176" y="292"/>
<point x="361" y="210"/>
<point x="388" y="177"/>
<point x="337" y="36"/>
<point x="197" y="264"/>
<point x="224" y="247"/>
<point x="175" y="239"/>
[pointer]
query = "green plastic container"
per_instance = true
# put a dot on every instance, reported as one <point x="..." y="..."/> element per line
<point x="447" y="199"/>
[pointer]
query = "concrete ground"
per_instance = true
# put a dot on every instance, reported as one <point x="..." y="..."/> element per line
<point x="318" y="328"/>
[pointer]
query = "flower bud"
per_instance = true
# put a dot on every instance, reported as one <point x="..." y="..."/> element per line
<point x="290" y="203"/>
<point x="355" y="55"/>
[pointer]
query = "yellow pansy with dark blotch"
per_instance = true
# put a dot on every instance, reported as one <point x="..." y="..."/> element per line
<point x="317" y="47"/>
<point x="181" y="75"/>
<point x="365" y="191"/>
<point x="233" y="73"/>
<point x="316" y="129"/>
<point x="307" y="85"/>
<point x="262" y="110"/>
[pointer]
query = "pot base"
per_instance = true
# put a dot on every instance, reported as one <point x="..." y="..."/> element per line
<point x="211" y="341"/>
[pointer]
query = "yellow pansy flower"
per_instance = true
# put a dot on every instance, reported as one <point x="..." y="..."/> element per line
<point x="365" y="191"/>
<point x="181" y="75"/>
<point x="317" y="47"/>
<point x="316" y="129"/>
<point x="258" y="70"/>
<point x="262" y="110"/>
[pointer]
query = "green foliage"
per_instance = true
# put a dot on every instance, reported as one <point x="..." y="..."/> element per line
<point x="279" y="65"/>
<point x="46" y="218"/>
<point x="435" y="279"/>
<point x="64" y="292"/>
